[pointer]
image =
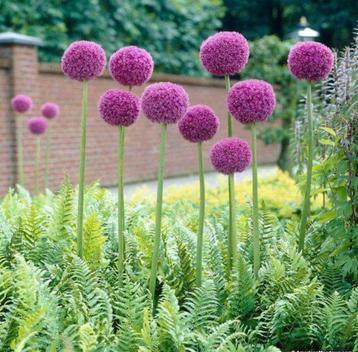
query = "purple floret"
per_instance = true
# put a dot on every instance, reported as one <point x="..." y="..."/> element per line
<point x="199" y="124"/>
<point x="251" y="101"/>
<point x="21" y="103"/>
<point x="164" y="102"/>
<point x="230" y="155"/>
<point x="37" y="125"/>
<point x="224" y="53"/>
<point x="310" y="61"/>
<point x="118" y="107"/>
<point x="50" y="110"/>
<point x="83" y="60"/>
<point x="131" y="66"/>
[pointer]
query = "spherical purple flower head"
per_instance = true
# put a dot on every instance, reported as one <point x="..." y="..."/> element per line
<point x="50" y="110"/>
<point x="131" y="66"/>
<point x="251" y="101"/>
<point x="230" y="155"/>
<point x="199" y="124"/>
<point x="83" y="60"/>
<point x="164" y="102"/>
<point x="37" y="125"/>
<point x="311" y="61"/>
<point x="21" y="103"/>
<point x="224" y="53"/>
<point x="118" y="107"/>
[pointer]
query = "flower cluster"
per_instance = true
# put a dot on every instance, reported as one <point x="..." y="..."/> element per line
<point x="164" y="102"/>
<point x="83" y="60"/>
<point x="131" y="66"/>
<point x="224" y="53"/>
<point x="199" y="124"/>
<point x="118" y="107"/>
<point x="251" y="101"/>
<point x="50" y="110"/>
<point x="230" y="155"/>
<point x="310" y="61"/>
<point x="37" y="125"/>
<point x="21" y="103"/>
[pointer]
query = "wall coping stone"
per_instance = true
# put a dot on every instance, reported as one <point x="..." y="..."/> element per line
<point x="19" y="39"/>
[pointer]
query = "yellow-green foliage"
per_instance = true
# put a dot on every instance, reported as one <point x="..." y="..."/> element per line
<point x="278" y="192"/>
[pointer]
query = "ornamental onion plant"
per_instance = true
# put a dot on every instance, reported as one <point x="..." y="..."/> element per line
<point x="225" y="54"/>
<point x="163" y="103"/>
<point x="83" y="61"/>
<point x="49" y="111"/>
<point x="249" y="102"/>
<point x="37" y="126"/>
<point x="198" y="125"/>
<point x="20" y="104"/>
<point x="129" y="66"/>
<point x="228" y="156"/>
<point x="309" y="61"/>
<point x="121" y="109"/>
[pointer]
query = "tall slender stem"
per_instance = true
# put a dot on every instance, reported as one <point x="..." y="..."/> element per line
<point x="306" y="202"/>
<point x="232" y="239"/>
<point x="229" y="119"/>
<point x="37" y="164"/>
<point x="199" y="246"/>
<point x="20" y="157"/>
<point x="47" y="156"/>
<point x="158" y="214"/>
<point x="121" y="224"/>
<point x="255" y="213"/>
<point x="82" y="169"/>
<point x="231" y="188"/>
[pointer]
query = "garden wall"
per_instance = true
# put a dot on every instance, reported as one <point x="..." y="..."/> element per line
<point x="20" y="73"/>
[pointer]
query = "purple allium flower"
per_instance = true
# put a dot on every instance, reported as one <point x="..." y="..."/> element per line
<point x="311" y="61"/>
<point x="251" y="101"/>
<point x="131" y="66"/>
<point x="50" y="110"/>
<point x="199" y="124"/>
<point x="37" y="125"/>
<point x="224" y="53"/>
<point x="164" y="102"/>
<point x="118" y="107"/>
<point x="230" y="155"/>
<point x="83" y="60"/>
<point x="21" y="103"/>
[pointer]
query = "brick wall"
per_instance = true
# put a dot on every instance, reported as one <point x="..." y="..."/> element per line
<point x="20" y="73"/>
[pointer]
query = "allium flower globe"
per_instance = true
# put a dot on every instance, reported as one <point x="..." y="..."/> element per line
<point x="224" y="53"/>
<point x="310" y="61"/>
<point x="164" y="102"/>
<point x="21" y="103"/>
<point x="230" y="155"/>
<point x="118" y="107"/>
<point x="50" y="110"/>
<point x="131" y="66"/>
<point x="83" y="60"/>
<point x="251" y="101"/>
<point x="37" y="125"/>
<point x="199" y="124"/>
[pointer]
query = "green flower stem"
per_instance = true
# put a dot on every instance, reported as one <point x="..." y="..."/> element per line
<point x="255" y="213"/>
<point x="158" y="214"/>
<point x="47" y="156"/>
<point x="37" y="164"/>
<point x="199" y="246"/>
<point x="20" y="157"/>
<point x="306" y="202"/>
<point x="229" y="119"/>
<point x="232" y="238"/>
<point x="82" y="169"/>
<point x="121" y="224"/>
<point x="231" y="188"/>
